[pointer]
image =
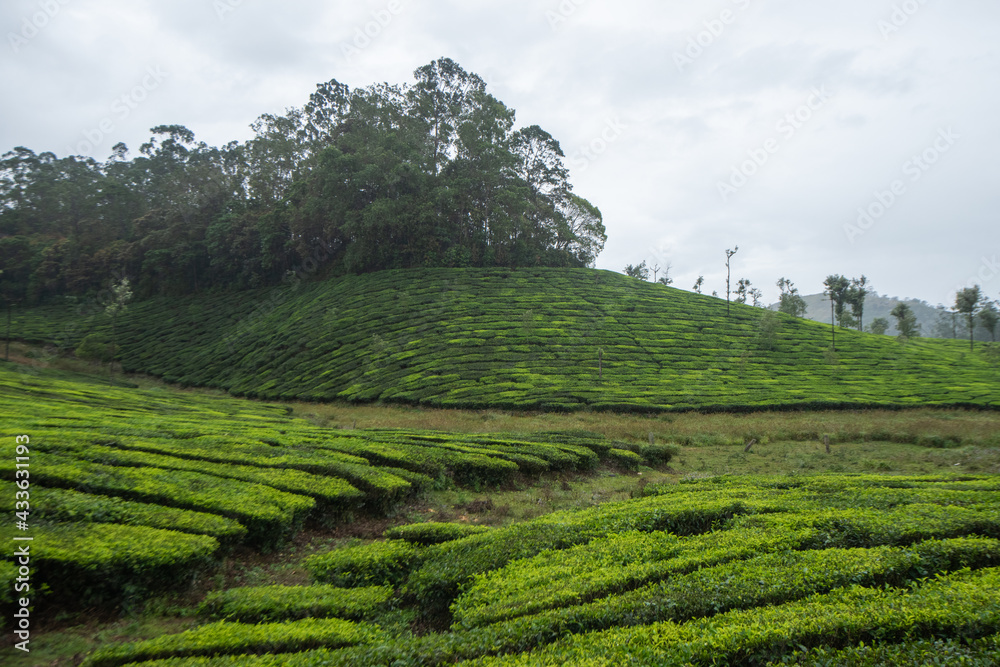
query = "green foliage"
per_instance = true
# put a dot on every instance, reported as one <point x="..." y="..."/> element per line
<point x="224" y="638"/>
<point x="94" y="347"/>
<point x="451" y="566"/>
<point x="965" y="604"/>
<point x="374" y="564"/>
<point x="625" y="459"/>
<point x="433" y="173"/>
<point x="264" y="604"/>
<point x="97" y="563"/>
<point x="980" y="652"/>
<point x="906" y="322"/>
<point x="735" y="570"/>
<point x="431" y="532"/>
<point x="455" y="338"/>
<point x="269" y="515"/>
<point x="879" y="326"/>
<point x="66" y="506"/>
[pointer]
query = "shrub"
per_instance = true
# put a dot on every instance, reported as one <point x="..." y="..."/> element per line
<point x="224" y="638"/>
<point x="94" y="347"/>
<point x="625" y="459"/>
<point x="432" y="532"/>
<point x="283" y="603"/>
<point x="374" y="564"/>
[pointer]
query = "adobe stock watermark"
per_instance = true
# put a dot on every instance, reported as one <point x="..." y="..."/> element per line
<point x="988" y="271"/>
<point x="121" y="108"/>
<point x="583" y="157"/>
<point x="714" y="28"/>
<point x="366" y="34"/>
<point x="914" y="169"/>
<point x="563" y="12"/>
<point x="225" y="7"/>
<point x="901" y="15"/>
<point x="33" y="24"/>
<point x="787" y="127"/>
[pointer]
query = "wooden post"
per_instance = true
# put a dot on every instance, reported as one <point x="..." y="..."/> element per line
<point x="652" y="438"/>
<point x="826" y="441"/>
<point x="752" y="442"/>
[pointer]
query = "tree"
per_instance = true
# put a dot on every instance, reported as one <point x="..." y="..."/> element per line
<point x="121" y="294"/>
<point x="836" y="290"/>
<point x="698" y="284"/>
<point x="742" y="290"/>
<point x="665" y="279"/>
<point x="856" y="294"/>
<point x="641" y="271"/>
<point x="988" y="319"/>
<point x="906" y="321"/>
<point x="755" y="297"/>
<point x="790" y="301"/>
<point x="968" y="302"/>
<point x="729" y="255"/>
<point x="879" y="326"/>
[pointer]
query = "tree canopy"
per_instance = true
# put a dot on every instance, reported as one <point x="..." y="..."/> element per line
<point x="433" y="173"/>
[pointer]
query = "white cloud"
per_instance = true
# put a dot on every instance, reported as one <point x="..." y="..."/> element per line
<point x="656" y="182"/>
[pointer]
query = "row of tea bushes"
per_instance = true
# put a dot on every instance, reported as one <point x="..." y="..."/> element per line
<point x="558" y="339"/>
<point x="218" y="473"/>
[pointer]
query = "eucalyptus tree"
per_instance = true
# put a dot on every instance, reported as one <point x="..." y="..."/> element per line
<point x="790" y="301"/>
<point x="729" y="256"/>
<point x="856" y="295"/>
<point x="968" y="301"/>
<point x="906" y="321"/>
<point x="988" y="318"/>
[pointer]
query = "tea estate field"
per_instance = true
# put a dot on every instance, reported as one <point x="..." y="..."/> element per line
<point x="131" y="493"/>
<point x="552" y="339"/>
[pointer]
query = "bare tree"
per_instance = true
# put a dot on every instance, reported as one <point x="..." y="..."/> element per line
<point x="121" y="294"/>
<point x="729" y="255"/>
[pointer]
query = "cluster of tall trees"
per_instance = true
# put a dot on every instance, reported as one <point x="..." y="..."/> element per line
<point x="432" y="173"/>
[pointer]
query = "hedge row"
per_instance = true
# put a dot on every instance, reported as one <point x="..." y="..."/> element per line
<point x="97" y="563"/>
<point x="981" y="652"/>
<point x="450" y="567"/>
<point x="331" y="493"/>
<point x="269" y="515"/>
<point x="432" y="532"/>
<point x="960" y="605"/>
<point x="376" y="563"/>
<point x="225" y="638"/>
<point x="624" y="561"/>
<point x="261" y="604"/>
<point x="631" y="629"/>
<point x="66" y="506"/>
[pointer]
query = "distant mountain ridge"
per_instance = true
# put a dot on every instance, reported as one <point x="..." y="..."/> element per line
<point x="878" y="305"/>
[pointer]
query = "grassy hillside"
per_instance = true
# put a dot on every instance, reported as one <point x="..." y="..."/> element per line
<point x="545" y="338"/>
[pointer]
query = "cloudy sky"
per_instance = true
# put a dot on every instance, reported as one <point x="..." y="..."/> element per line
<point x="856" y="137"/>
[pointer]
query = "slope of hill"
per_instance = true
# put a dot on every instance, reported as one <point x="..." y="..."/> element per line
<point x="542" y="338"/>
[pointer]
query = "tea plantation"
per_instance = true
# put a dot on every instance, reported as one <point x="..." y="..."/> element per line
<point x="556" y="339"/>
<point x="129" y="491"/>
<point x="835" y="570"/>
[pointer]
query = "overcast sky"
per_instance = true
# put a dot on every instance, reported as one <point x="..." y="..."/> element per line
<point x="695" y="126"/>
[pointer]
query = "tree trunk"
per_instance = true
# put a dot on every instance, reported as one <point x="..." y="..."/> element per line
<point x="114" y="341"/>
<point x="6" y="355"/>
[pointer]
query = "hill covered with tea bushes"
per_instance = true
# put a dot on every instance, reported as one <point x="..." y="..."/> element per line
<point x="531" y="338"/>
